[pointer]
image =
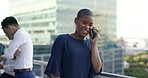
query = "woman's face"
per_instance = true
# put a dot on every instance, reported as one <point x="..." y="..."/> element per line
<point x="83" y="25"/>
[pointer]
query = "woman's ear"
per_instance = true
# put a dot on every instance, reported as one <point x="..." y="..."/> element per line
<point x="75" y="21"/>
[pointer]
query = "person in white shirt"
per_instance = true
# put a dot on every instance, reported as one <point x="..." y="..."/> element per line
<point x="7" y="64"/>
<point x="21" y="41"/>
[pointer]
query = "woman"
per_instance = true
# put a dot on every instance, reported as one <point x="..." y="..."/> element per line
<point x="74" y="55"/>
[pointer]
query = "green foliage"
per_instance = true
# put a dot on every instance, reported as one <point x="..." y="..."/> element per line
<point x="138" y="65"/>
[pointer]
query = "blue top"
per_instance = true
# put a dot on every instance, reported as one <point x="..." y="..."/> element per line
<point x="70" y="58"/>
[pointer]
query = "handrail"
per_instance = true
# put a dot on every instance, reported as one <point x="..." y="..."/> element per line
<point x="112" y="75"/>
<point x="38" y="62"/>
<point x="106" y="74"/>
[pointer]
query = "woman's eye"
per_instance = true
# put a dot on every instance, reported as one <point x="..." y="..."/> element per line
<point x="91" y="25"/>
<point x="84" y="23"/>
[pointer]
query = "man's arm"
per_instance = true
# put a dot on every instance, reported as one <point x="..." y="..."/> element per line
<point x="16" y="54"/>
<point x="9" y="67"/>
<point x="2" y="58"/>
<point x="14" y="45"/>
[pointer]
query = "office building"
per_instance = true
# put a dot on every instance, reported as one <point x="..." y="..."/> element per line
<point x="47" y="17"/>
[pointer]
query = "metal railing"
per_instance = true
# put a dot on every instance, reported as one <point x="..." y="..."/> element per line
<point x="103" y="74"/>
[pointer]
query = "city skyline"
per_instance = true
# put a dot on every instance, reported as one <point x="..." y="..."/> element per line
<point x="131" y="17"/>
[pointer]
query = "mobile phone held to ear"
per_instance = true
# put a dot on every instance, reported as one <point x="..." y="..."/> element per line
<point x="93" y="33"/>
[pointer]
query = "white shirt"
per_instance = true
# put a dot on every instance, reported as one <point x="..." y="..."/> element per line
<point x="21" y="41"/>
<point x="9" y="66"/>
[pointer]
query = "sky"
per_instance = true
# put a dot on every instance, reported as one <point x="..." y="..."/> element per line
<point x="132" y="17"/>
<point x="3" y="11"/>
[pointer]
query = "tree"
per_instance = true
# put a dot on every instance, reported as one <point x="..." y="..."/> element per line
<point x="136" y="69"/>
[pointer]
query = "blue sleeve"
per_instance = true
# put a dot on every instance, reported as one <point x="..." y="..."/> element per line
<point x="54" y="63"/>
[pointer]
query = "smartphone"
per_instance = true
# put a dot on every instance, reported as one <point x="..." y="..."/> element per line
<point x="92" y="33"/>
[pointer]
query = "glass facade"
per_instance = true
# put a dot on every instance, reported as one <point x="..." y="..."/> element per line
<point x="37" y="17"/>
<point x="57" y="16"/>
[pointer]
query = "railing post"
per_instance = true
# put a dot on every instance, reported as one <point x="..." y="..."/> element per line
<point x="42" y="67"/>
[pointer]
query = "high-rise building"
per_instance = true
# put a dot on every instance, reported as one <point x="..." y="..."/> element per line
<point x="38" y="17"/>
<point x="47" y="17"/>
<point x="113" y="60"/>
<point x="105" y="21"/>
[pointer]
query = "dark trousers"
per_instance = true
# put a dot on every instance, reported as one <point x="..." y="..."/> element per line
<point x="26" y="74"/>
<point x="5" y="75"/>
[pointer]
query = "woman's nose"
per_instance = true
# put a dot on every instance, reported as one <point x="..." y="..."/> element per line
<point x="87" y="26"/>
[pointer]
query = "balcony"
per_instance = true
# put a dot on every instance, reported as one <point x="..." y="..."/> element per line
<point x="102" y="75"/>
